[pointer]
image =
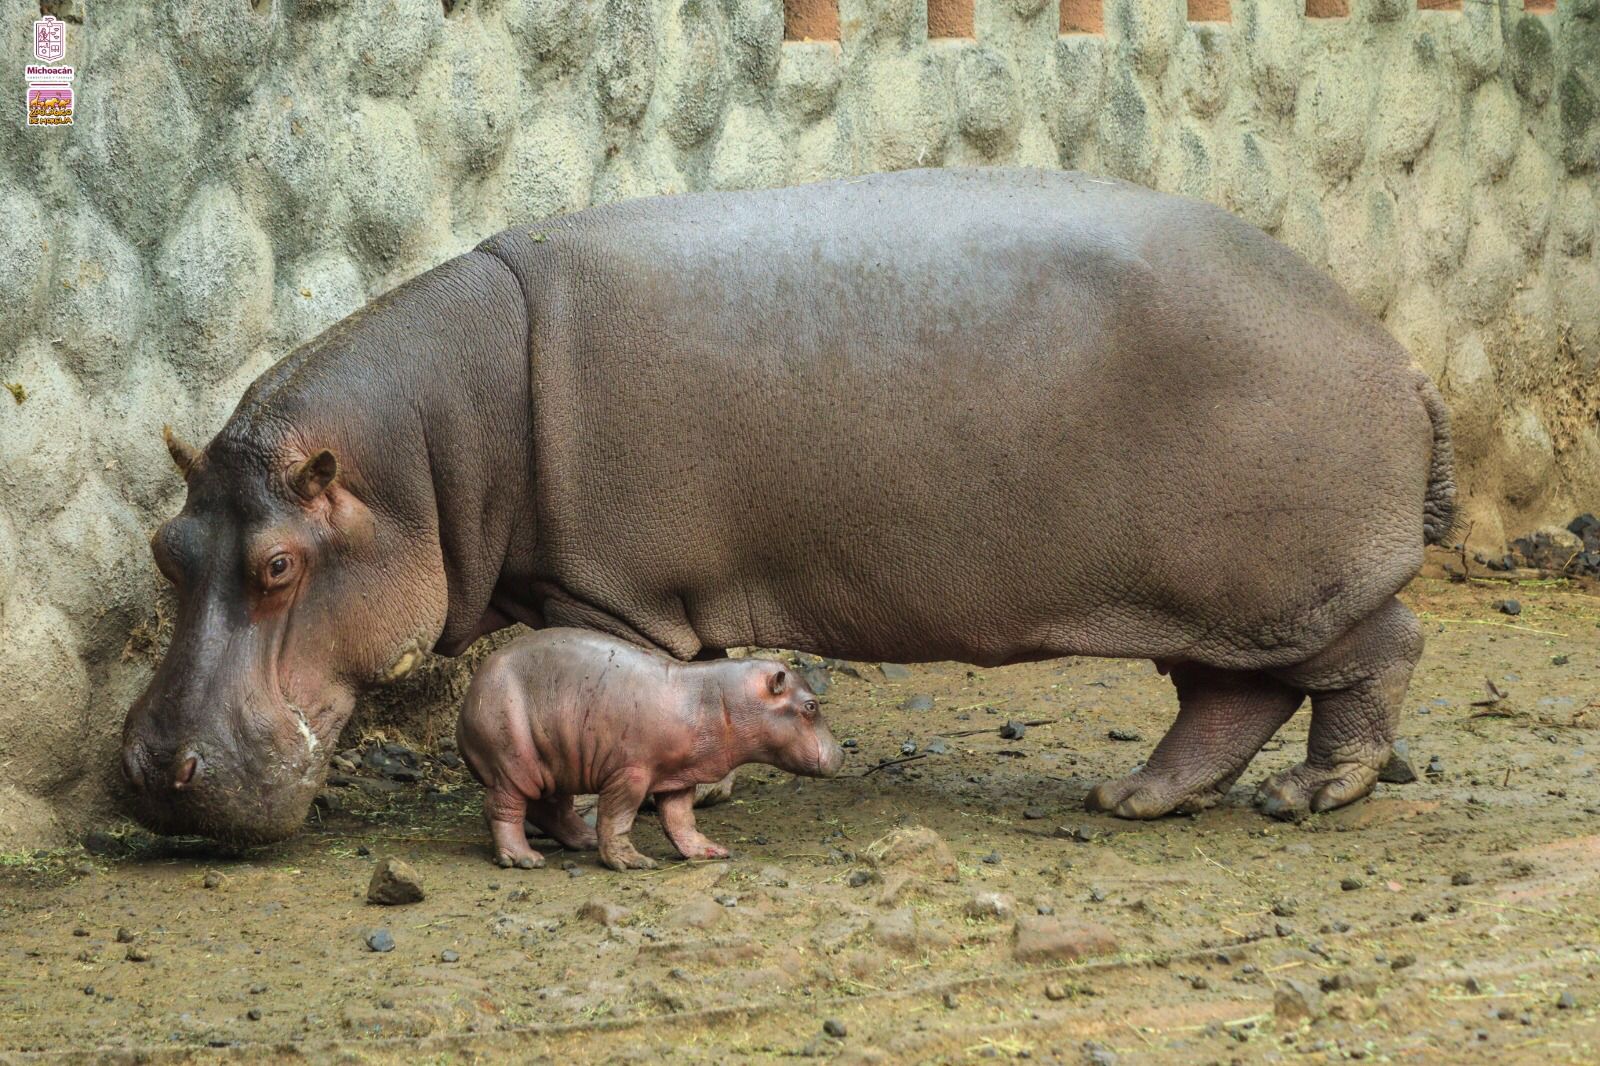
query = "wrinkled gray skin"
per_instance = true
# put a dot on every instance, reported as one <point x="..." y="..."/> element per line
<point x="983" y="415"/>
<point x="567" y="712"/>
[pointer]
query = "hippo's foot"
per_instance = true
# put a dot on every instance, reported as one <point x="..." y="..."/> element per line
<point x="1223" y="719"/>
<point x="1357" y="685"/>
<point x="1308" y="789"/>
<point x="556" y="819"/>
<point x="511" y="847"/>
<point x="1150" y="794"/>
<point x="620" y="854"/>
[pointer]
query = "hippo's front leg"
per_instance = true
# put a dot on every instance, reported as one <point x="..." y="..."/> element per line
<point x="619" y="803"/>
<point x="1223" y="719"/>
<point x="506" y="808"/>
<point x="677" y="820"/>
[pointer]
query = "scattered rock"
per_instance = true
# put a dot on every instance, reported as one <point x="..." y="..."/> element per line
<point x="1045" y="939"/>
<point x="1284" y="908"/>
<point x="1124" y="735"/>
<point x="950" y="1001"/>
<point x="380" y="940"/>
<point x="1099" y="1054"/>
<point x="1401" y="962"/>
<point x="907" y="747"/>
<point x="1397" y="771"/>
<point x="835" y="1028"/>
<point x="817" y="678"/>
<point x="124" y="935"/>
<point x="449" y="956"/>
<point x="1351" y="884"/>
<point x="394" y="882"/>
<point x="1056" y="991"/>
<point x="1034" y="814"/>
<point x="936" y="746"/>
<point x="919" y="702"/>
<point x="1013" y="730"/>
<point x="862" y="877"/>
<point x="212" y="880"/>
<point x="1294" y="1001"/>
<point x="990" y="905"/>
<point x="1199" y="983"/>
<point x="1511" y="607"/>
<point x="894" y="672"/>
<point x="1566" y="1001"/>
<point x="904" y="931"/>
<point x="603" y="912"/>
<point x="991" y="859"/>
<point x="1462" y="877"/>
<point x="1435" y="766"/>
<point x="254" y="1014"/>
<point x="914" y="849"/>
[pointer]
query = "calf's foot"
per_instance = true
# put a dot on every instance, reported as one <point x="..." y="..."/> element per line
<point x="1357" y="687"/>
<point x="1223" y="719"/>
<point x="506" y="811"/>
<point x="618" y="853"/>
<point x="677" y="819"/>
<point x="556" y="819"/>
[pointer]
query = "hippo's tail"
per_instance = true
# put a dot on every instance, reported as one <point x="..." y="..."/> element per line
<point x="1439" y="511"/>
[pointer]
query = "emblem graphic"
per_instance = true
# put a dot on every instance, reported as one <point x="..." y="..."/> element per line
<point x="49" y="39"/>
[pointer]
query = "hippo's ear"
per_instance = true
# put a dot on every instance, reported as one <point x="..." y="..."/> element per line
<point x="312" y="477"/>
<point x="184" y="454"/>
<point x="776" y="682"/>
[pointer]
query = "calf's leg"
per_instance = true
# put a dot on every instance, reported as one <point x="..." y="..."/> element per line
<point x="619" y="803"/>
<point x="677" y="819"/>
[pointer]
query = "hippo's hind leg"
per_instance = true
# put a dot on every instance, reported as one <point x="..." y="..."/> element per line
<point x="1223" y="719"/>
<point x="677" y="819"/>
<point x="506" y="807"/>
<point x="554" y="817"/>
<point x="1356" y="686"/>
<point x="619" y="804"/>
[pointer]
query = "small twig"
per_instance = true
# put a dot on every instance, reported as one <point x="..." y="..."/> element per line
<point x="1466" y="572"/>
<point x="893" y="762"/>
<point x="992" y="729"/>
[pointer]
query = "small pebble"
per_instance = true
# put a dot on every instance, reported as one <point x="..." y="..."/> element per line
<point x="1034" y="814"/>
<point x="137" y="954"/>
<point x="1401" y="962"/>
<point x="80" y="931"/>
<point x="1013" y="730"/>
<point x="848" y="743"/>
<point x="1566" y="1001"/>
<point x="380" y="940"/>
<point x="254" y="1014"/>
<point x="1097" y="895"/>
<point x="124" y="935"/>
<point x="1511" y="607"/>
<point x="908" y="747"/>
<point x="728" y="901"/>
<point x="1350" y="884"/>
<point x="937" y="746"/>
<point x="574" y="871"/>
<point x="834" y="1028"/>
<point x="1045" y="909"/>
<point x="449" y="956"/>
<point x="1127" y="735"/>
<point x="919" y="702"/>
<point x="861" y="877"/>
<point x="1199" y="983"/>
<point x="1559" y="660"/>
<point x="950" y="1001"/>
<point x="1282" y="930"/>
<point x="1284" y="908"/>
<point x="212" y="880"/>
<point x="993" y="858"/>
<point x="1462" y="877"/>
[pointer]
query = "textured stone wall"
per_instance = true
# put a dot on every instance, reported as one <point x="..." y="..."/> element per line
<point x="244" y="172"/>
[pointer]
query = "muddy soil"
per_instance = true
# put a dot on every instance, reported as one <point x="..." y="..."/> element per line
<point x="1452" y="919"/>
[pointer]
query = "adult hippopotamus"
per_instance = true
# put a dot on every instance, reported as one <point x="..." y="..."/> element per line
<point x="983" y="415"/>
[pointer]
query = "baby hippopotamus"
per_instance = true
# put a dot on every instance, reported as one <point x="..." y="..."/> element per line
<point x="564" y="712"/>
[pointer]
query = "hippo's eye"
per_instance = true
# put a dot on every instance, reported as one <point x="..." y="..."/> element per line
<point x="811" y="706"/>
<point x="278" y="567"/>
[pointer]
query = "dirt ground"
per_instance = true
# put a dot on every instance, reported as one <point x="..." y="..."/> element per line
<point x="1453" y="919"/>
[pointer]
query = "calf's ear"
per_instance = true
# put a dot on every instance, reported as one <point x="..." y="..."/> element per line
<point x="184" y="455"/>
<point x="311" y="478"/>
<point x="776" y="681"/>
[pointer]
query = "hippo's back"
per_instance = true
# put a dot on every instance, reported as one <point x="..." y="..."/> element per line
<point x="981" y="415"/>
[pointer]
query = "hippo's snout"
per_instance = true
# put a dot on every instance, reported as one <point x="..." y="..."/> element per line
<point x="830" y="756"/>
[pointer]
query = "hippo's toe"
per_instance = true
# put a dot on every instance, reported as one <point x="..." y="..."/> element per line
<point x="1307" y="789"/>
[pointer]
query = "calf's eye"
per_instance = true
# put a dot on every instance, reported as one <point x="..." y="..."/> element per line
<point x="278" y="566"/>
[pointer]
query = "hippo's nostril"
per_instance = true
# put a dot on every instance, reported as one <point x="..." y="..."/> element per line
<point x="133" y="766"/>
<point x="188" y="772"/>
